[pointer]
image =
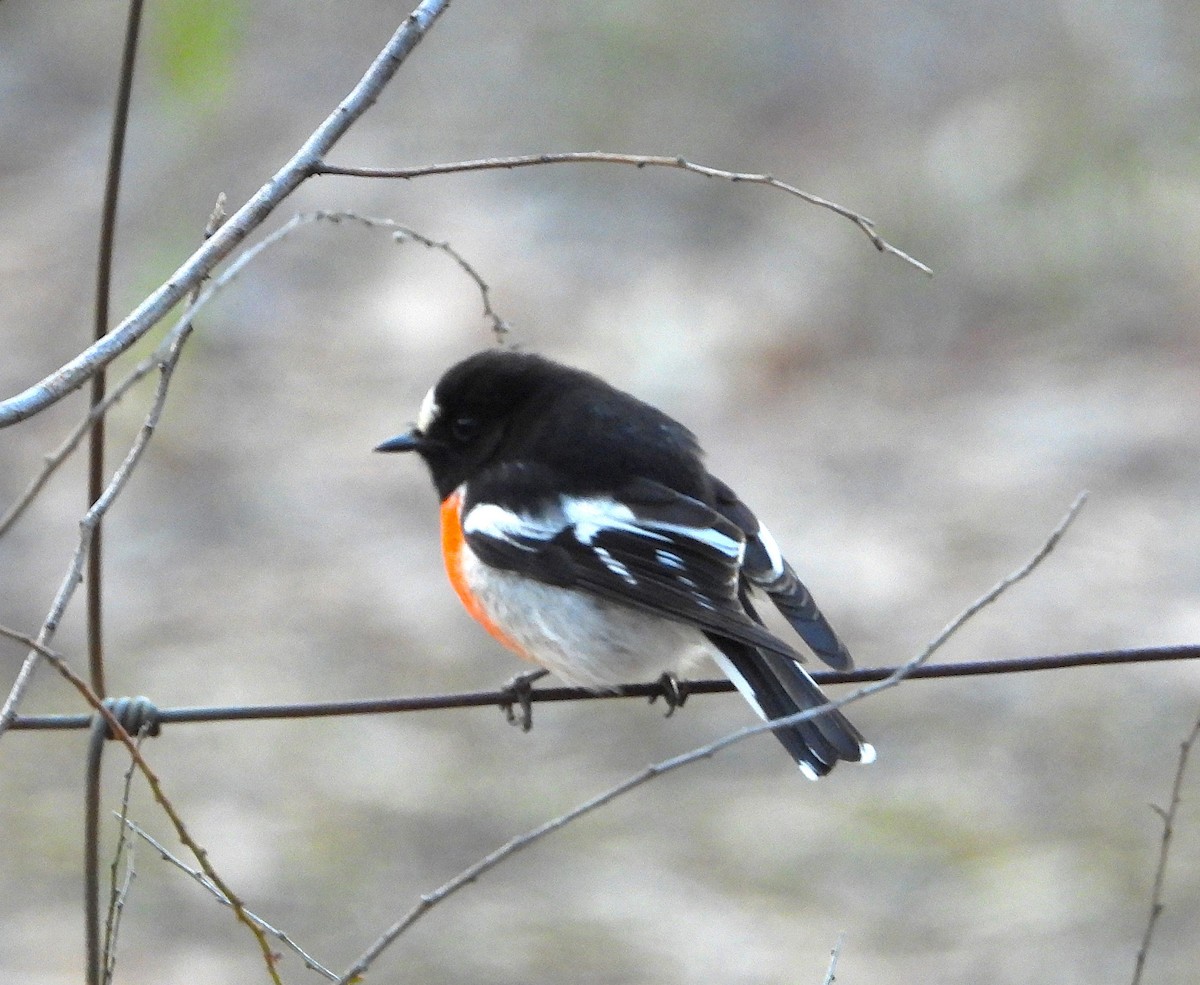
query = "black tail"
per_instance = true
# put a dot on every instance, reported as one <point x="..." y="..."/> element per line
<point x="777" y="687"/>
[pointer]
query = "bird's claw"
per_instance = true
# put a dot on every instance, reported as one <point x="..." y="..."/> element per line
<point x="517" y="693"/>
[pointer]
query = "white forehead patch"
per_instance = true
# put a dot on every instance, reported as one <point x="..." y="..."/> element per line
<point x="428" y="413"/>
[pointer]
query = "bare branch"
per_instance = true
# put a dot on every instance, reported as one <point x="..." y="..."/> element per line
<point x="203" y="880"/>
<point x="249" y="217"/>
<point x="636" y="160"/>
<point x="104" y="267"/>
<point x="1164" y="850"/>
<point x="118" y="887"/>
<point x="165" y="358"/>
<point x="514" y="845"/>
<point x="55" y="458"/>
<point x="831" y="972"/>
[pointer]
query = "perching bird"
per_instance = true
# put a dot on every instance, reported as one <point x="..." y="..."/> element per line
<point x="581" y="528"/>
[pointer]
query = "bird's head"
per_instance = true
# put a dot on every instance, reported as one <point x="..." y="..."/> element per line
<point x="465" y="417"/>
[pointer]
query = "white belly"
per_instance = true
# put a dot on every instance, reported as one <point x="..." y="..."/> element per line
<point x="585" y="641"/>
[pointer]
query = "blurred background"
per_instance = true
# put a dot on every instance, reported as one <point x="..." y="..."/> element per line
<point x="909" y="440"/>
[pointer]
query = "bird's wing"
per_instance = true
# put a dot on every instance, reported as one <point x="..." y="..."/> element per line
<point x="643" y="545"/>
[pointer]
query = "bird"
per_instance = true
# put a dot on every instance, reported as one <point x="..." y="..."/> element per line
<point x="582" y="529"/>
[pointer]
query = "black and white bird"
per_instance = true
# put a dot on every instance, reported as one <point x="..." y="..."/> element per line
<point x="582" y="529"/>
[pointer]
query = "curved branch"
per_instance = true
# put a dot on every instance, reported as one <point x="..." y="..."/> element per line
<point x="249" y="217"/>
<point x="637" y="161"/>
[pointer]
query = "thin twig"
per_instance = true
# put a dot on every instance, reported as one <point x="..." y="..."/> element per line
<point x="104" y="267"/>
<point x="1164" y="851"/>
<point x="400" y="233"/>
<point x="636" y="160"/>
<point x="249" y="217"/>
<point x="831" y="971"/>
<point x="54" y="459"/>
<point x="118" y="894"/>
<point x="199" y="877"/>
<point x="247" y="256"/>
<point x="117" y="731"/>
<point x="164" y="358"/>
<point x="515" y="845"/>
<point x="93" y="516"/>
<point x="112" y="930"/>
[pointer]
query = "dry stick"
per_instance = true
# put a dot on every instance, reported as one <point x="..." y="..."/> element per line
<point x="514" y="845"/>
<point x="638" y="161"/>
<point x="401" y="233"/>
<point x="119" y="894"/>
<point x="249" y="217"/>
<point x="54" y="459"/>
<point x="104" y="265"/>
<point x="1160" y="872"/>
<point x="199" y="877"/>
<point x="118" y="732"/>
<point x="831" y="972"/>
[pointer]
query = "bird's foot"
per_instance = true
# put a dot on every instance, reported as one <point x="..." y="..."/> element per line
<point x="517" y="694"/>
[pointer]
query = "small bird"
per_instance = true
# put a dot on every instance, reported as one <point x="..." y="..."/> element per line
<point x="581" y="528"/>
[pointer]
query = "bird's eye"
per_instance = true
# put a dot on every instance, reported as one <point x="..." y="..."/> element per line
<point x="466" y="428"/>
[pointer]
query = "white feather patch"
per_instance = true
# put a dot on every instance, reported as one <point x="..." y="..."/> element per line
<point x="428" y="413"/>
<point x="669" y="560"/>
<point x="773" y="551"/>
<point x="493" y="520"/>
<point x="591" y="516"/>
<point x="615" y="566"/>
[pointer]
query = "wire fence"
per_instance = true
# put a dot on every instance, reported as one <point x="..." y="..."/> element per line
<point x="505" y="699"/>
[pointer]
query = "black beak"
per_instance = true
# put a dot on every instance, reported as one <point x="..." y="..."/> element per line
<point x="408" y="441"/>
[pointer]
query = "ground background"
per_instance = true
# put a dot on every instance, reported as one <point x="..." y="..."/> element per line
<point x="909" y="441"/>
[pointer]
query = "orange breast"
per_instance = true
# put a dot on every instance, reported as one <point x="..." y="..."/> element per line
<point x="454" y="545"/>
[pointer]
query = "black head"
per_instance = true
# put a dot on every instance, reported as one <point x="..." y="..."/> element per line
<point x="466" y="415"/>
<point x="499" y="406"/>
